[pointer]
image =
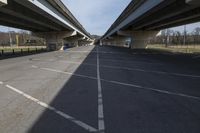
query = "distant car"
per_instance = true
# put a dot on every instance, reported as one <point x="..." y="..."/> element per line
<point x="66" y="46"/>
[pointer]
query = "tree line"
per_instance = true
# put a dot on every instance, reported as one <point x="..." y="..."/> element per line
<point x="23" y="38"/>
<point x="172" y="37"/>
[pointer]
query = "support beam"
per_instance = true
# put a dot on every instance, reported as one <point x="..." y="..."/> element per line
<point x="139" y="39"/>
<point x="3" y="2"/>
<point x="193" y="2"/>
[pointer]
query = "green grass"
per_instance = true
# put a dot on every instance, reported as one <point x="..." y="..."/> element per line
<point x="18" y="49"/>
<point x="176" y="48"/>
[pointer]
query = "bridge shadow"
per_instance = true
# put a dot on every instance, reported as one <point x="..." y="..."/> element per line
<point x="77" y="98"/>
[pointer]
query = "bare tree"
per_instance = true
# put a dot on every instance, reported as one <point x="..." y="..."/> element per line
<point x="196" y="35"/>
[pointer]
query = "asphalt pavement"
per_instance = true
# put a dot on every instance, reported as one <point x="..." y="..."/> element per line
<point x="100" y="89"/>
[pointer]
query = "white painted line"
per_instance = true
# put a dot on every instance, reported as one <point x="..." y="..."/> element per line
<point x="124" y="61"/>
<point x="102" y="52"/>
<point x="195" y="57"/>
<point x="149" y="71"/>
<point x="134" y="69"/>
<point x="48" y="60"/>
<point x="155" y="90"/>
<point x="34" y="66"/>
<point x="78" y="75"/>
<point x="101" y="124"/>
<point x="1" y="82"/>
<point x="79" y="63"/>
<point x="125" y="84"/>
<point x="64" y="115"/>
<point x="78" y="51"/>
<point x="35" y="59"/>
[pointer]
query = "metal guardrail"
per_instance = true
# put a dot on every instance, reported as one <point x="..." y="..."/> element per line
<point x="22" y="51"/>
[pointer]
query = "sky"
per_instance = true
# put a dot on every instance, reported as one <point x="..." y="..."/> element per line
<point x="97" y="16"/>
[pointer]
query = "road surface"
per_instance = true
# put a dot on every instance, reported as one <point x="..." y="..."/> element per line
<point x="101" y="90"/>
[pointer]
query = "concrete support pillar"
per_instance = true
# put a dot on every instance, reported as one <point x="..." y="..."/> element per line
<point x="74" y="41"/>
<point x="55" y="40"/>
<point x="139" y="39"/>
<point x="86" y="42"/>
<point x="119" y="41"/>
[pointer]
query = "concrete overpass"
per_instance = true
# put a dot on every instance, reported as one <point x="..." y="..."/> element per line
<point x="49" y="19"/>
<point x="143" y="19"/>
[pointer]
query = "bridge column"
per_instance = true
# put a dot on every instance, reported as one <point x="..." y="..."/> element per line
<point x="74" y="41"/>
<point x="139" y="39"/>
<point x="119" y="41"/>
<point x="86" y="42"/>
<point x="55" y="40"/>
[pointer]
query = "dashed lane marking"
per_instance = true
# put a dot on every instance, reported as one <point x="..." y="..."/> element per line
<point x="101" y="124"/>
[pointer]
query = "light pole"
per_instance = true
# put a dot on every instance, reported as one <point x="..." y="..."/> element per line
<point x="10" y="38"/>
<point x="184" y="39"/>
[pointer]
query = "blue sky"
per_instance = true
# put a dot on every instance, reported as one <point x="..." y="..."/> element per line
<point x="97" y="15"/>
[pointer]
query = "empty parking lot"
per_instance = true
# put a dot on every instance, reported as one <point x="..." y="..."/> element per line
<point x="100" y="89"/>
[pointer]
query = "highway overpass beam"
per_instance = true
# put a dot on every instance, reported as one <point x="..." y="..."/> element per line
<point x="139" y="39"/>
<point x="3" y="2"/>
<point x="193" y="2"/>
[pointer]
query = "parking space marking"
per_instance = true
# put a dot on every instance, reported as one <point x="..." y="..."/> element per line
<point x="150" y="71"/>
<point x="195" y="57"/>
<point x="135" y="69"/>
<point x="124" y="61"/>
<point x="125" y="84"/>
<point x="68" y="73"/>
<point x="77" y="62"/>
<point x="155" y="90"/>
<point x="104" y="52"/>
<point x="101" y="124"/>
<point x="33" y="66"/>
<point x="58" y="112"/>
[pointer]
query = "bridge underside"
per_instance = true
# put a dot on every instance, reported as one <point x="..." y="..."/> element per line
<point x="54" y="27"/>
<point x="16" y="14"/>
<point x="169" y="13"/>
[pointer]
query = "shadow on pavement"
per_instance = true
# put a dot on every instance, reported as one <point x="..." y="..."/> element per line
<point x="77" y="98"/>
